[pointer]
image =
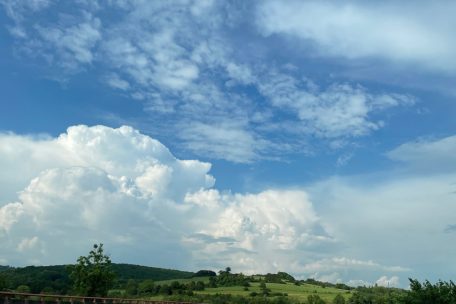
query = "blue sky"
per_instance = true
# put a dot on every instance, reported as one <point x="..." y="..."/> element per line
<point x="321" y="134"/>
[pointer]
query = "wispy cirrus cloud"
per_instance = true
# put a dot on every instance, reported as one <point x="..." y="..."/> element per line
<point x="428" y="154"/>
<point x="72" y="44"/>
<point x="401" y="33"/>
<point x="340" y="110"/>
<point x="181" y="60"/>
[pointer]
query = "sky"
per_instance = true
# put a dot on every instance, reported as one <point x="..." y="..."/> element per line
<point x="312" y="137"/>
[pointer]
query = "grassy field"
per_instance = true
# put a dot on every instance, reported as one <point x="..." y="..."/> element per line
<point x="183" y="281"/>
<point x="298" y="293"/>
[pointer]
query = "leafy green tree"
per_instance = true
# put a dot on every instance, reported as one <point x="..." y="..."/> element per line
<point x="212" y="282"/>
<point x="199" y="285"/>
<point x="93" y="275"/>
<point x="23" y="289"/>
<point x="3" y="284"/>
<point x="146" y="287"/>
<point x="315" y="299"/>
<point x="131" y="288"/>
<point x="440" y="293"/>
<point x="47" y="290"/>
<point x="205" y="273"/>
<point x="339" y="299"/>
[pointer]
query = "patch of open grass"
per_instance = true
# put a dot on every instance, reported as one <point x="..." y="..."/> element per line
<point x="298" y="293"/>
<point x="184" y="281"/>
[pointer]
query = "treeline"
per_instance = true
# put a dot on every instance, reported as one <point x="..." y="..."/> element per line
<point x="55" y="279"/>
<point x="226" y="278"/>
<point x="280" y="278"/>
<point x="36" y="279"/>
<point x="146" y="288"/>
<point x="419" y="293"/>
<point x="324" y="284"/>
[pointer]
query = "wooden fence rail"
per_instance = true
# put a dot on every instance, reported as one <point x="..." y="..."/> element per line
<point x="31" y="298"/>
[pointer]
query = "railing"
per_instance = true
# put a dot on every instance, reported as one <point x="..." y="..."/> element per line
<point x="31" y="298"/>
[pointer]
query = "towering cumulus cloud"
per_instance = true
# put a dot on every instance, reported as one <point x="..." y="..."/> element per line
<point x="98" y="184"/>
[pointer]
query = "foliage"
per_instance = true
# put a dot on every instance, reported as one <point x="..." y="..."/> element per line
<point x="264" y="290"/>
<point x="3" y="268"/>
<point x="150" y="288"/>
<point x="338" y="299"/>
<point x="3" y="284"/>
<point x="226" y="278"/>
<point x="146" y="287"/>
<point x="205" y="273"/>
<point x="131" y="288"/>
<point x="229" y="299"/>
<point x="438" y="293"/>
<point x="378" y="295"/>
<point x="315" y="299"/>
<point x="124" y="272"/>
<point x="285" y="276"/>
<point x="42" y="278"/>
<point x="93" y="275"/>
<point x="38" y="278"/>
<point x="327" y="284"/>
<point x="23" y="289"/>
<point x="212" y="282"/>
<point x="280" y="277"/>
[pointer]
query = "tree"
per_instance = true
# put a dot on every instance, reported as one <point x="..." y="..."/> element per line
<point x="3" y="284"/>
<point x="23" y="289"/>
<point x="315" y="299"/>
<point x="205" y="273"/>
<point x="146" y="287"/>
<point x="92" y="275"/>
<point x="131" y="288"/>
<point x="339" y="299"/>
<point x="212" y="282"/>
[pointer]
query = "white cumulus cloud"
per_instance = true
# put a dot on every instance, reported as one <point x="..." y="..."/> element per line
<point x="388" y="282"/>
<point x="123" y="188"/>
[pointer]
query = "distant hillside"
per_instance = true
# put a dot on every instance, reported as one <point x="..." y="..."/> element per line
<point x="2" y="268"/>
<point x="55" y="278"/>
<point x="138" y="272"/>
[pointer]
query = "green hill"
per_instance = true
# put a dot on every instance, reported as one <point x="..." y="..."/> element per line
<point x="3" y="268"/>
<point x="125" y="272"/>
<point x="55" y="278"/>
